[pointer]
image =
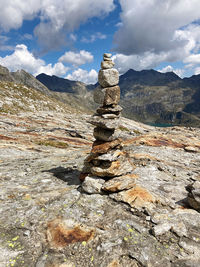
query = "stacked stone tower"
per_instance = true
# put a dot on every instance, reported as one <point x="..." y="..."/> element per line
<point x="106" y="160"/>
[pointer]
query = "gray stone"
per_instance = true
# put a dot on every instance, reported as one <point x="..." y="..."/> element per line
<point x="108" y="64"/>
<point x="111" y="124"/>
<point x="194" y="195"/>
<point x="161" y="228"/>
<point x="92" y="185"/>
<point x="105" y="135"/>
<point x="109" y="77"/>
<point x="107" y="96"/>
<point x="113" y="155"/>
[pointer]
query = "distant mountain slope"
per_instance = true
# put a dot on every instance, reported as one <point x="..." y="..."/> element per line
<point x="76" y="93"/>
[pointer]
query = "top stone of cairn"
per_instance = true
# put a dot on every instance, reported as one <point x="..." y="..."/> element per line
<point x="107" y="55"/>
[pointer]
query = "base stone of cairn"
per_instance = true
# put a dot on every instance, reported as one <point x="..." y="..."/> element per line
<point x="107" y="168"/>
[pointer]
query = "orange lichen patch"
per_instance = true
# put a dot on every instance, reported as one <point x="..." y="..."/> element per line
<point x="3" y="137"/>
<point x="59" y="235"/>
<point x="114" y="263"/>
<point x="137" y="196"/>
<point x="103" y="147"/>
<point x="157" y="141"/>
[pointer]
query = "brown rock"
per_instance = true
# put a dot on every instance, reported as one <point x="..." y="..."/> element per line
<point x="109" y="77"/>
<point x="107" y="96"/>
<point x="111" y="169"/>
<point x="136" y="197"/>
<point x="120" y="183"/>
<point x="100" y="147"/>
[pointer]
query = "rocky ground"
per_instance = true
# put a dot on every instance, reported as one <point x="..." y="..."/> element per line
<point x="47" y="221"/>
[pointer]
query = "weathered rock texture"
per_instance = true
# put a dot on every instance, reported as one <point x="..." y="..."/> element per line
<point x="46" y="221"/>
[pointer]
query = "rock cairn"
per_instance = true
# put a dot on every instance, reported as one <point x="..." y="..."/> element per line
<point x="107" y="167"/>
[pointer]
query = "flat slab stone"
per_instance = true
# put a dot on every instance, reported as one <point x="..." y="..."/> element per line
<point x="107" y="96"/>
<point x="105" y="135"/>
<point x="100" y="147"/>
<point x="115" y="168"/>
<point x="111" y="124"/>
<point x="120" y="183"/>
<point x="109" y="77"/>
<point x="116" y="109"/>
<point x="108" y="55"/>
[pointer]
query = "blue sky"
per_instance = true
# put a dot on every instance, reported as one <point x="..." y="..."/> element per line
<point x="68" y="37"/>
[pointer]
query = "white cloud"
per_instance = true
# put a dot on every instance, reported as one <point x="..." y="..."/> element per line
<point x="64" y="16"/>
<point x="89" y="77"/>
<point x="197" y="71"/>
<point x="76" y="59"/>
<point x="94" y="37"/>
<point x="21" y="58"/>
<point x="138" y="62"/>
<point x="169" y="68"/>
<point x="155" y="31"/>
<point x="57" y="18"/>
<point x="151" y="25"/>
<point x="12" y="13"/>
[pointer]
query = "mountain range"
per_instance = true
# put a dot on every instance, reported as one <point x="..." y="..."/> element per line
<point x="147" y="96"/>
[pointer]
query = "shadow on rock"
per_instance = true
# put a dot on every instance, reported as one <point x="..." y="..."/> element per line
<point x="69" y="175"/>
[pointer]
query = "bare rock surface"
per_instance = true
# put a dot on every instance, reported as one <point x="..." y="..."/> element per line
<point x="47" y="220"/>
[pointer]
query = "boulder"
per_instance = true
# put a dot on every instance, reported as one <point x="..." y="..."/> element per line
<point x="108" y="77"/>
<point x="107" y="96"/>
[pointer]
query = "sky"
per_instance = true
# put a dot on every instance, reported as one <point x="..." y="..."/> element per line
<point x="67" y="38"/>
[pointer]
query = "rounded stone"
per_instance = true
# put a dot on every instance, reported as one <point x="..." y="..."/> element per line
<point x="108" y="77"/>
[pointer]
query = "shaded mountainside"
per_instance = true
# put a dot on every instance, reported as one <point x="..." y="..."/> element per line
<point x="155" y="97"/>
<point x="148" y="96"/>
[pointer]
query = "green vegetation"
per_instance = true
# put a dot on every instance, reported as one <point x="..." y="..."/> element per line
<point x="52" y="143"/>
